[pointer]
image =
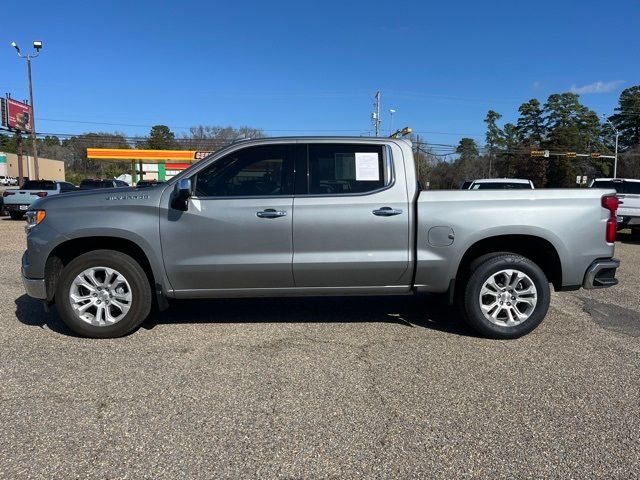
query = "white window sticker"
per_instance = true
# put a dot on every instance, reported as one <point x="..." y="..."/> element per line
<point x="367" y="166"/>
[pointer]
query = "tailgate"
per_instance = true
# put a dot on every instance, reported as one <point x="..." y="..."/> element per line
<point x="19" y="197"/>
<point x="630" y="205"/>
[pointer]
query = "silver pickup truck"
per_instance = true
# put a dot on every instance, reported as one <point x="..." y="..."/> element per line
<point x="315" y="216"/>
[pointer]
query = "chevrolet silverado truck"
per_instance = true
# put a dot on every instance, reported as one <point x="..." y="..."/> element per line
<point x="314" y="216"/>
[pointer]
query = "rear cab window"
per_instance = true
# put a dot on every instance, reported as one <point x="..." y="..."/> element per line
<point x="501" y="186"/>
<point x="631" y="188"/>
<point x="618" y="186"/>
<point x="39" y="185"/>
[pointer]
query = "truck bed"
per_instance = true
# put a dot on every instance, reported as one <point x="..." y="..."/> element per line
<point x="562" y="217"/>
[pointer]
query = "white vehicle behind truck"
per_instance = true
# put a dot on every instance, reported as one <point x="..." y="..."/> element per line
<point x="17" y="201"/>
<point x="628" y="192"/>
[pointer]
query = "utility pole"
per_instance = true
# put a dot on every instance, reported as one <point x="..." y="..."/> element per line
<point x="34" y="144"/>
<point x="375" y="116"/>
<point x="19" y="154"/>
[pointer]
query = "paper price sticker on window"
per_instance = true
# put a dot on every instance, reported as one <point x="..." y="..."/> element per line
<point x="367" y="166"/>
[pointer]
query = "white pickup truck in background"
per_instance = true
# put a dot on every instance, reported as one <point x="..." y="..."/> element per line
<point x="17" y="201"/>
<point x="628" y="192"/>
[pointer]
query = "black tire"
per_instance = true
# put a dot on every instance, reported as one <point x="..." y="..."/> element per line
<point x="16" y="215"/>
<point x="140" y="290"/>
<point x="480" y="272"/>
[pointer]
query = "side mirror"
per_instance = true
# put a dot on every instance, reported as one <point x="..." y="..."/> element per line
<point x="182" y="195"/>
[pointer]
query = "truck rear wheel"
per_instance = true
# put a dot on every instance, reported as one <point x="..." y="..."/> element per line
<point x="506" y="296"/>
<point x="103" y="294"/>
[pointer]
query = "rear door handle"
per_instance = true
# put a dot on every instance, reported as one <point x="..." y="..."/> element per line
<point x="387" y="212"/>
<point x="271" y="213"/>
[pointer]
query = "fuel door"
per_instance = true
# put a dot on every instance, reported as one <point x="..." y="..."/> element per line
<point x="441" y="236"/>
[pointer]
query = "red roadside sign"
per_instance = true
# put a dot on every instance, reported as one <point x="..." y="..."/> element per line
<point x="19" y="116"/>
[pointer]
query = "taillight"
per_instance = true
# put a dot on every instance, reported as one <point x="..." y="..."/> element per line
<point x="611" y="202"/>
<point x="6" y="194"/>
<point x="40" y="194"/>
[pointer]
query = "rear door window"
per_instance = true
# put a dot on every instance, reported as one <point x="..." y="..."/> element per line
<point x="339" y="169"/>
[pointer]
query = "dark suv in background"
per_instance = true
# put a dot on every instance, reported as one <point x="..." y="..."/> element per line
<point x="92" y="184"/>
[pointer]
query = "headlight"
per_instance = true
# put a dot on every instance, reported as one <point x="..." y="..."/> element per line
<point x="34" y="217"/>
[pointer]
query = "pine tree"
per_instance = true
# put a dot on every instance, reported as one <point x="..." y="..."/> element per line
<point x="531" y="129"/>
<point x="627" y="118"/>
<point x="495" y="136"/>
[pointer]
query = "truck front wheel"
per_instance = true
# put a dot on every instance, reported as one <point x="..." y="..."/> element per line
<point x="103" y="294"/>
<point x="507" y="296"/>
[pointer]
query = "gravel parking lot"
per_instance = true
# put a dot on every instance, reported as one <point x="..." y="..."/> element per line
<point x="351" y="387"/>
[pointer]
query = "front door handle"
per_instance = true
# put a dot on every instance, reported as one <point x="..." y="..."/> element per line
<point x="271" y="213"/>
<point x="387" y="212"/>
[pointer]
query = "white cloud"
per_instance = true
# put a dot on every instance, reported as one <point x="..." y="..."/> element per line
<point x="597" y="87"/>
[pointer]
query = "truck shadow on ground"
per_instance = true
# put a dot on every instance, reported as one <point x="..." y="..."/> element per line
<point x="431" y="312"/>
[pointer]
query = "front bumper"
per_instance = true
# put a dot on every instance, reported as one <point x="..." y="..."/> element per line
<point x="601" y="274"/>
<point x="35" y="287"/>
<point x="16" y="207"/>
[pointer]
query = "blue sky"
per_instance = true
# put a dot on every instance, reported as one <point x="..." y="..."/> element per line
<point x="313" y="67"/>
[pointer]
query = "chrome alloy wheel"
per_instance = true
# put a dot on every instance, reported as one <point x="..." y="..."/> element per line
<point x="508" y="298"/>
<point x="100" y="296"/>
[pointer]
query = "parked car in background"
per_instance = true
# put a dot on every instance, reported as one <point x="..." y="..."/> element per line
<point x="92" y="184"/>
<point x="6" y="181"/>
<point x="148" y="183"/>
<point x="628" y="192"/>
<point x="501" y="184"/>
<point x="315" y="216"/>
<point x="17" y="201"/>
<point x="466" y="184"/>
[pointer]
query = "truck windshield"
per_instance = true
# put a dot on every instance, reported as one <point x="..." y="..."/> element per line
<point x="39" y="185"/>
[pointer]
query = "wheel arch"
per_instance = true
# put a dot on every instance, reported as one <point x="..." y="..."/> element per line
<point x="66" y="251"/>
<point x="539" y="250"/>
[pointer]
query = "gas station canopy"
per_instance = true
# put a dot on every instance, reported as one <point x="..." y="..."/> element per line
<point x="149" y="156"/>
<point x="169" y="161"/>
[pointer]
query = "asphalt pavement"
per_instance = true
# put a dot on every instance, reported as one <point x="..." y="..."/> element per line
<point x="392" y="387"/>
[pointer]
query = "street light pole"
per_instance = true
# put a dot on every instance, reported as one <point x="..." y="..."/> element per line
<point x="391" y="112"/>
<point x="34" y="144"/>
<point x="615" y="160"/>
